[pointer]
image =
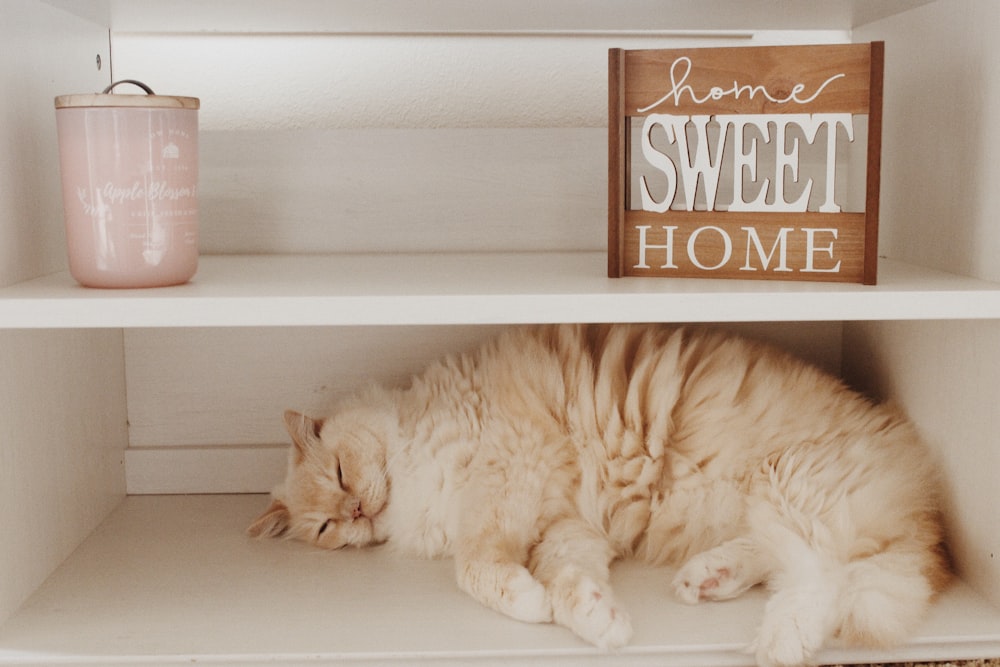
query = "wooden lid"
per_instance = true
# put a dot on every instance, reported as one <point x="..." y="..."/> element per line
<point x="116" y="100"/>
<point x="106" y="99"/>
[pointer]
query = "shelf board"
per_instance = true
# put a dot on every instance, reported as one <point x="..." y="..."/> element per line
<point x="489" y="288"/>
<point x="172" y="579"/>
<point x="456" y="16"/>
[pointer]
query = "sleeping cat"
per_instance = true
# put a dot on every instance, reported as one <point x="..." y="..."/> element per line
<point x="552" y="451"/>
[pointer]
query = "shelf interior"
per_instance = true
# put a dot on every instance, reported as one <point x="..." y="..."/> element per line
<point x="174" y="578"/>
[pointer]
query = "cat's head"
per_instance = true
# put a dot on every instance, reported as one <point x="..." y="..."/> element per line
<point x="336" y="487"/>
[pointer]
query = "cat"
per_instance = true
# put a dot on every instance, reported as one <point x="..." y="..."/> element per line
<point x="549" y="452"/>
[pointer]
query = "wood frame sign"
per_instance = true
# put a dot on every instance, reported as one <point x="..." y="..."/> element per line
<point x="740" y="162"/>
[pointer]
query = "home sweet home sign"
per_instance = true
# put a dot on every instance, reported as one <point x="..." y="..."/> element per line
<point x="723" y="132"/>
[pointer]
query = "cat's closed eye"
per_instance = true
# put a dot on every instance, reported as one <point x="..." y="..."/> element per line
<point x="322" y="529"/>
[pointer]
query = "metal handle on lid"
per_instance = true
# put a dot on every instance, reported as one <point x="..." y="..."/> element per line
<point x="149" y="91"/>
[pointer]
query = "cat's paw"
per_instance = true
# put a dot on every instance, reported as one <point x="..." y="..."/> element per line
<point x="525" y="599"/>
<point x="788" y="637"/>
<point x="710" y="575"/>
<point x="506" y="587"/>
<point x="597" y="618"/>
<point x="783" y="645"/>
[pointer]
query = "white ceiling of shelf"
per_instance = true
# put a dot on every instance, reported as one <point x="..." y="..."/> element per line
<point x="382" y="16"/>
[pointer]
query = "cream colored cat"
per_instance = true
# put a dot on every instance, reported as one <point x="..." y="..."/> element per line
<point x="552" y="451"/>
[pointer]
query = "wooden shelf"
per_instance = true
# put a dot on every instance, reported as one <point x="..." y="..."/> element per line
<point x="494" y="288"/>
<point x="172" y="579"/>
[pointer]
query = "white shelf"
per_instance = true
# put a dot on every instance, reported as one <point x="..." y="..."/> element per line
<point x="500" y="288"/>
<point x="173" y="579"/>
<point x="458" y="16"/>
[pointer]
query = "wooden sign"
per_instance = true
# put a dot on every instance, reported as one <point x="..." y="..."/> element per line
<point x="739" y="165"/>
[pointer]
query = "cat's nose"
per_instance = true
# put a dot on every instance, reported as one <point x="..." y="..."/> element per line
<point x="356" y="512"/>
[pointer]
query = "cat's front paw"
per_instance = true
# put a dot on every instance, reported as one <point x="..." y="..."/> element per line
<point x="721" y="573"/>
<point x="708" y="576"/>
<point x="597" y="618"/>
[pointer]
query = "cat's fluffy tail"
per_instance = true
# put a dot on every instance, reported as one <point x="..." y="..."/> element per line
<point x="823" y="588"/>
<point x="884" y="596"/>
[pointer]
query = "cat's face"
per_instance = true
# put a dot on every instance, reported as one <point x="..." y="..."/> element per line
<point x="335" y="490"/>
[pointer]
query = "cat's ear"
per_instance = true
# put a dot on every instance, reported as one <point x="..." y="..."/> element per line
<point x="273" y="522"/>
<point x="304" y="431"/>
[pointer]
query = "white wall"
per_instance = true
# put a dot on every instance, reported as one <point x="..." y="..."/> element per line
<point x="62" y="444"/>
<point x="940" y="198"/>
<point x="940" y="203"/>
<point x="41" y="46"/>
<point x="282" y="81"/>
<point x="403" y="190"/>
<point x="945" y="375"/>
<point x="205" y="405"/>
<point x="62" y="393"/>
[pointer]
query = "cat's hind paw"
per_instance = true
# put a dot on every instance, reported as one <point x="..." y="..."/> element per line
<point x="525" y="599"/>
<point x="796" y="623"/>
<point x="507" y="588"/>
<point x="597" y="618"/>
<point x="782" y="645"/>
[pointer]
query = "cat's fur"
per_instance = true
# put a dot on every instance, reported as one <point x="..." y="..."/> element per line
<point x="552" y="451"/>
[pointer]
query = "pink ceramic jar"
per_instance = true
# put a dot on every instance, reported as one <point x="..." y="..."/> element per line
<point x="129" y="167"/>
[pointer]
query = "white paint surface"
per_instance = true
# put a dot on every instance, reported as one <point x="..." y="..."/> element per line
<point x="46" y="53"/>
<point x="152" y="576"/>
<point x="174" y="579"/>
<point x="383" y="80"/>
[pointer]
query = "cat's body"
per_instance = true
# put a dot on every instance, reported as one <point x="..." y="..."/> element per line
<point x="551" y="451"/>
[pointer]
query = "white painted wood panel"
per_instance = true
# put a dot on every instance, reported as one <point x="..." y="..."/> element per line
<point x="237" y="469"/>
<point x="169" y="580"/>
<point x="62" y="444"/>
<point x="46" y="52"/>
<point x="398" y="16"/>
<point x="360" y="81"/>
<point x="396" y="80"/>
<point x="942" y="95"/>
<point x="489" y="288"/>
<point x="61" y="441"/>
<point x="205" y="405"/>
<point x="390" y="191"/>
<point x="224" y="386"/>
<point x="849" y="172"/>
<point x="945" y="375"/>
<point x="940" y="198"/>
